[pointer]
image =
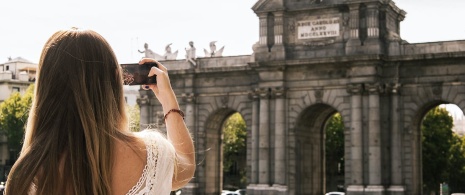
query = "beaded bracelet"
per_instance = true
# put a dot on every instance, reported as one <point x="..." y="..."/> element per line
<point x="174" y="110"/>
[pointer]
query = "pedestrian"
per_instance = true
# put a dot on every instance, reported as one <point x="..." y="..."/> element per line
<point x="77" y="139"/>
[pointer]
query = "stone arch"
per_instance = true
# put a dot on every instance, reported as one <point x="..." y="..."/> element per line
<point x="309" y="149"/>
<point x="215" y="115"/>
<point x="416" y="104"/>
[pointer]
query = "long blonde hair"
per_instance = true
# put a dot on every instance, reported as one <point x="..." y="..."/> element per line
<point x="77" y="112"/>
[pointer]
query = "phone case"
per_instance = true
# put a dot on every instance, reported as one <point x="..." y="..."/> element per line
<point x="137" y="74"/>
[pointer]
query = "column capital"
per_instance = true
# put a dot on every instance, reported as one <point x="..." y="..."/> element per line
<point x="263" y="92"/>
<point x="355" y="88"/>
<point x="278" y="92"/>
<point x="393" y="88"/>
<point x="143" y="101"/>
<point x="253" y="94"/>
<point x="188" y="97"/>
<point x="373" y="88"/>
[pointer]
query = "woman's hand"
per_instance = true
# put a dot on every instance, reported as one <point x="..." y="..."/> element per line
<point x="163" y="90"/>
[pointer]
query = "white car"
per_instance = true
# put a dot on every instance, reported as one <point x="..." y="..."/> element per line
<point x="227" y="192"/>
<point x="335" y="193"/>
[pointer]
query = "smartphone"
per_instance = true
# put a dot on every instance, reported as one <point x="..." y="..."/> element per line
<point x="138" y="74"/>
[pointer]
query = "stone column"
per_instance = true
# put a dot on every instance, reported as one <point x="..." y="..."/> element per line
<point x="396" y="187"/>
<point x="189" y="99"/>
<point x="255" y="137"/>
<point x="355" y="185"/>
<point x="262" y="18"/>
<point x="264" y="139"/>
<point x="144" y="105"/>
<point x="354" y="42"/>
<point x="373" y="20"/>
<point x="374" y="140"/>
<point x="280" y="138"/>
<point x="278" y="50"/>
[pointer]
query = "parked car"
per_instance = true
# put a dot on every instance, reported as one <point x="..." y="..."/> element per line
<point x="241" y="192"/>
<point x="227" y="192"/>
<point x="335" y="193"/>
<point x="2" y="187"/>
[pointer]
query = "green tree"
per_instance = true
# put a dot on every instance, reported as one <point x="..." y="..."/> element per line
<point x="133" y="113"/>
<point x="234" y="151"/>
<point x="334" y="151"/>
<point x="14" y="112"/>
<point x="437" y="138"/>
<point x="457" y="164"/>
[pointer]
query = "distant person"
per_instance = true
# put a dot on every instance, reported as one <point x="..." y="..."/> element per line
<point x="77" y="140"/>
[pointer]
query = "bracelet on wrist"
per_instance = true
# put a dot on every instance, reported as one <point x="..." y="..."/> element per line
<point x="174" y="110"/>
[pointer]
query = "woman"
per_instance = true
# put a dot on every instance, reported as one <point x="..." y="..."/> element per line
<point x="77" y="138"/>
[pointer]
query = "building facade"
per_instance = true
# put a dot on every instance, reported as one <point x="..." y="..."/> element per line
<point x="15" y="76"/>
<point x="314" y="58"/>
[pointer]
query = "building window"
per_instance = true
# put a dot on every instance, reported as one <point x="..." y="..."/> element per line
<point x="15" y="89"/>
<point x="7" y="68"/>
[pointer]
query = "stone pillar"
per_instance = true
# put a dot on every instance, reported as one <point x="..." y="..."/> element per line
<point x="374" y="140"/>
<point x="144" y="105"/>
<point x="264" y="139"/>
<point x="262" y="18"/>
<point x="373" y="20"/>
<point x="396" y="187"/>
<point x="354" y="42"/>
<point x="355" y="185"/>
<point x="280" y="138"/>
<point x="189" y="99"/>
<point x="255" y="137"/>
<point x="278" y="50"/>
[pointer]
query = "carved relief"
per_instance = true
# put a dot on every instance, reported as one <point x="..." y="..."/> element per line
<point x="319" y="95"/>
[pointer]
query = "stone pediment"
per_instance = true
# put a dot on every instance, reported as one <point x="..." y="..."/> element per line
<point x="268" y="5"/>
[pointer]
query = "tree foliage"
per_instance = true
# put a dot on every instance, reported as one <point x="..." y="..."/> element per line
<point x="234" y="150"/>
<point x="14" y="112"/>
<point x="443" y="152"/>
<point x="335" y="140"/>
<point x="334" y="152"/>
<point x="133" y="113"/>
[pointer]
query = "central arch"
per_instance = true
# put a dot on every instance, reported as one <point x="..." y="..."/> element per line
<point x="214" y="153"/>
<point x="310" y="149"/>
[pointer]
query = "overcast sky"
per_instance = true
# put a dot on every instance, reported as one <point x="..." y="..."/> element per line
<point x="127" y="25"/>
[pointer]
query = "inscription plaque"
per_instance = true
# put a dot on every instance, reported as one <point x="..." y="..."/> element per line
<point x="320" y="28"/>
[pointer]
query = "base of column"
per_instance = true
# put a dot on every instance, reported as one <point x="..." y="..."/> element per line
<point x="265" y="189"/>
<point x="355" y="190"/>
<point x="374" y="190"/>
<point x="396" y="190"/>
<point x="189" y="189"/>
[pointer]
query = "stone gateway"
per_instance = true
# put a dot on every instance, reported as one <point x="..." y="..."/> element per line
<point x="313" y="59"/>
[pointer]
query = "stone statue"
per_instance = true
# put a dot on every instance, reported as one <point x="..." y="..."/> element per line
<point x="150" y="54"/>
<point x="190" y="54"/>
<point x="213" y="52"/>
<point x="168" y="54"/>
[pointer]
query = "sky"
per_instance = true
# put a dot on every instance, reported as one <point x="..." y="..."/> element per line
<point x="25" y="25"/>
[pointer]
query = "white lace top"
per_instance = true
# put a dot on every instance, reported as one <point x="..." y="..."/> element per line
<point x="158" y="172"/>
